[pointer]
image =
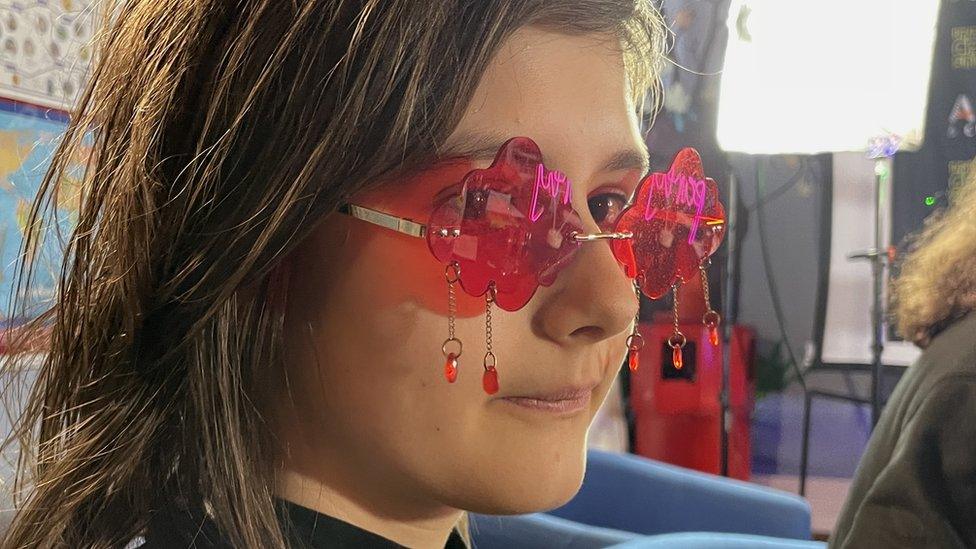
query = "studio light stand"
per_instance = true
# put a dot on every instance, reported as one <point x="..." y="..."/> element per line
<point x="878" y="256"/>
<point x="728" y="315"/>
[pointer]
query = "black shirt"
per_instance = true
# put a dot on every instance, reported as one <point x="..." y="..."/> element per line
<point x="303" y="529"/>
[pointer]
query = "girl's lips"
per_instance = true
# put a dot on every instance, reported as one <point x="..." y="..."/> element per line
<point x="563" y="402"/>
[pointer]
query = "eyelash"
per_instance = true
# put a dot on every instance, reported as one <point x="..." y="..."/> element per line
<point x="622" y="203"/>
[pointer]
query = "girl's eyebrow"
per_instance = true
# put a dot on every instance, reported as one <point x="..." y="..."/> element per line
<point x="476" y="146"/>
<point x="628" y="159"/>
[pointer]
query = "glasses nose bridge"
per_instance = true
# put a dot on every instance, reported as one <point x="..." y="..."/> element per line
<point x="594" y="237"/>
<point x="581" y="239"/>
<point x="590" y="239"/>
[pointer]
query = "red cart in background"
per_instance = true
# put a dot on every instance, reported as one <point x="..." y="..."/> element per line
<point x="676" y="412"/>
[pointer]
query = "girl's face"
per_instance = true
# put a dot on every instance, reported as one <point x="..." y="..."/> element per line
<point x="365" y="407"/>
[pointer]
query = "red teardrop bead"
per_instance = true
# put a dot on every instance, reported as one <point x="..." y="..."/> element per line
<point x="677" y="359"/>
<point x="633" y="360"/>
<point x="490" y="380"/>
<point x="713" y="335"/>
<point x="451" y="368"/>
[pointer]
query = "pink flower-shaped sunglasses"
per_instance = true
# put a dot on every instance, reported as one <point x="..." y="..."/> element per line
<point x="510" y="228"/>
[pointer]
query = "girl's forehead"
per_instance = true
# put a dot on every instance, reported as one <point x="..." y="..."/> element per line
<point x="569" y="93"/>
<point x="545" y="78"/>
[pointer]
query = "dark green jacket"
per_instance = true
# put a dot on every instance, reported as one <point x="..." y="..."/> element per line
<point x="916" y="484"/>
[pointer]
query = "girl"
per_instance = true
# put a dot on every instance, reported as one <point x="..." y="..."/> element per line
<point x="241" y="356"/>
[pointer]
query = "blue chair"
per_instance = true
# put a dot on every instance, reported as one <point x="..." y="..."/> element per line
<point x="635" y="494"/>
<point x="636" y="503"/>
<point x="541" y="530"/>
<point x="710" y="540"/>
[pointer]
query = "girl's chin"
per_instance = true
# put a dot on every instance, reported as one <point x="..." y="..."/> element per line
<point x="529" y="485"/>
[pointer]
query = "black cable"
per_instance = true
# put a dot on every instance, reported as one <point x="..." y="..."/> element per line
<point x="767" y="266"/>
<point x="823" y="267"/>
<point x="630" y="416"/>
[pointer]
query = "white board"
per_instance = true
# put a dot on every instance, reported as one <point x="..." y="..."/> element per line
<point x="847" y="335"/>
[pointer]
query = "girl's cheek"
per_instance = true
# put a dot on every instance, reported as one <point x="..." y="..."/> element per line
<point x="403" y="266"/>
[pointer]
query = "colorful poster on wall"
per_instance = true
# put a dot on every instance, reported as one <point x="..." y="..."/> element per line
<point x="45" y="50"/>
<point x="28" y="138"/>
<point x="45" y="54"/>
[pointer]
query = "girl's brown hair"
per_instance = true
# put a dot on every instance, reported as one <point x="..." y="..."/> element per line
<point x="937" y="283"/>
<point x="222" y="130"/>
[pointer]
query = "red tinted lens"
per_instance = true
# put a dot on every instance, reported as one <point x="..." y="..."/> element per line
<point x="677" y="221"/>
<point x="510" y="224"/>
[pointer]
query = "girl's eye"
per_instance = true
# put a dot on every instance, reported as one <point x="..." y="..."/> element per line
<point x="606" y="208"/>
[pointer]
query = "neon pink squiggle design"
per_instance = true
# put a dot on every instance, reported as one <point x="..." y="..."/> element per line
<point x="680" y="190"/>
<point x="553" y="181"/>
